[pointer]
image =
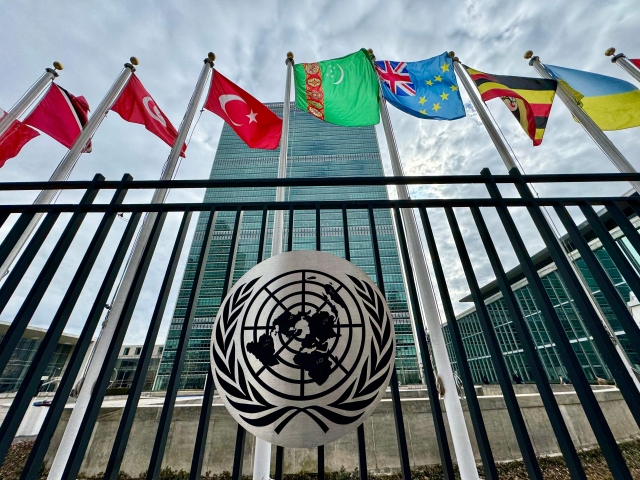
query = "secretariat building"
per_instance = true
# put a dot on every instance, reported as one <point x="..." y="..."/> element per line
<point x="316" y="149"/>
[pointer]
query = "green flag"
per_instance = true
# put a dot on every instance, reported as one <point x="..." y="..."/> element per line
<point x="342" y="91"/>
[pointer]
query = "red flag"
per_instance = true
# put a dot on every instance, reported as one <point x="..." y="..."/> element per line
<point x="16" y="137"/>
<point x="635" y="61"/>
<point x="136" y="105"/>
<point x="60" y="115"/>
<point x="254" y="123"/>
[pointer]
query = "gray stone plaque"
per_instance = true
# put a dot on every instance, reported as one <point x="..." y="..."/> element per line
<point x="302" y="349"/>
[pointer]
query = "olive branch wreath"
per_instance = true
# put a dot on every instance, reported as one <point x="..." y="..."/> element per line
<point x="356" y="398"/>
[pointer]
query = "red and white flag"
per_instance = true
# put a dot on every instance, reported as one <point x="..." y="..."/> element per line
<point x="136" y="105"/>
<point x="16" y="137"/>
<point x="254" y="123"/>
<point x="60" y="115"/>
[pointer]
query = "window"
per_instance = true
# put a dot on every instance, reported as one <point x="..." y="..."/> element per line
<point x="137" y="351"/>
<point x="125" y="351"/>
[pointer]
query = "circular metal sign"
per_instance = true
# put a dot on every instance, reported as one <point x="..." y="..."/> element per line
<point x="302" y="349"/>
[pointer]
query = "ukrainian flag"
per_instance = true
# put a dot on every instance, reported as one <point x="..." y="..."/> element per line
<point x="610" y="102"/>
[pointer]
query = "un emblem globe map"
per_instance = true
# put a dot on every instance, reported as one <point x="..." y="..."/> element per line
<point x="302" y="349"/>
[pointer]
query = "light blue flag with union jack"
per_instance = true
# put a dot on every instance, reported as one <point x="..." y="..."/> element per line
<point x="424" y="89"/>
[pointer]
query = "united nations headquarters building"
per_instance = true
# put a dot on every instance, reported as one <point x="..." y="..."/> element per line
<point x="309" y="311"/>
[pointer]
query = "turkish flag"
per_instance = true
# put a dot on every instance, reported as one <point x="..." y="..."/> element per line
<point x="60" y="115"/>
<point x="16" y="137"/>
<point x="254" y="123"/>
<point x="136" y="105"/>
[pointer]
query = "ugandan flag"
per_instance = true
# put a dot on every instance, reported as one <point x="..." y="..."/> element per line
<point x="529" y="99"/>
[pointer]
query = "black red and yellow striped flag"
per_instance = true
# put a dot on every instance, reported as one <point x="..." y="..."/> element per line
<point x="529" y="99"/>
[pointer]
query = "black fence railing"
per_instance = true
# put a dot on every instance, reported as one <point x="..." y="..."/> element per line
<point x="619" y="211"/>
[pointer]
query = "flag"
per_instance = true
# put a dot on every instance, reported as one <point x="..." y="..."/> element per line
<point x="612" y="104"/>
<point x="136" y="105"/>
<point x="252" y="121"/>
<point x="529" y="99"/>
<point x="342" y="91"/>
<point x="60" y="115"/>
<point x="16" y="137"/>
<point x="635" y="61"/>
<point x="424" y="89"/>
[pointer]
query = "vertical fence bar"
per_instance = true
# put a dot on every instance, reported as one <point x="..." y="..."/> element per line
<point x="10" y="241"/>
<point x="207" y="398"/>
<point x="49" y="343"/>
<point x="164" y="422"/>
<point x="484" y="447"/>
<point x="362" y="446"/>
<point x="625" y="382"/>
<point x="290" y="232"/>
<point x="427" y="367"/>
<point x="128" y="414"/>
<point x="405" y="466"/>
<point x="279" y="462"/>
<point x="624" y="223"/>
<point x="33" y="465"/>
<point x="531" y="353"/>
<point x="318" y="236"/>
<point x="594" y="414"/>
<point x="582" y="301"/>
<point x="609" y="244"/>
<point x="321" y="462"/>
<point x="499" y="365"/>
<point x="99" y="389"/>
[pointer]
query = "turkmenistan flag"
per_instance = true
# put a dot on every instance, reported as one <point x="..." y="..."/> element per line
<point x="342" y="91"/>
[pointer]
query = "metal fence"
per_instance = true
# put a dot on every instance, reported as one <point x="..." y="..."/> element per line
<point x="619" y="210"/>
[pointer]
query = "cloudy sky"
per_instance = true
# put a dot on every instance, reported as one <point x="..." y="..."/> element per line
<point x="250" y="39"/>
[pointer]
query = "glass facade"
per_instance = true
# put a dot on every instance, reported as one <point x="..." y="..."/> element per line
<point x="16" y="369"/>
<point x="316" y="149"/>
<point x="582" y="342"/>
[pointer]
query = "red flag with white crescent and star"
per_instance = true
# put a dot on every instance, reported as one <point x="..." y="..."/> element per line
<point x="16" y="137"/>
<point x="253" y="121"/>
<point x="136" y="105"/>
<point x="60" y="115"/>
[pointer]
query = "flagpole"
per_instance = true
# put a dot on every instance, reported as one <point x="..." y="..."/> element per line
<point x="67" y="163"/>
<point x="509" y="162"/>
<point x="262" y="450"/>
<point x="623" y="63"/>
<point x="455" y="415"/>
<point x="596" y="134"/>
<point x="31" y="94"/>
<point x="103" y="345"/>
<point x="278" y="220"/>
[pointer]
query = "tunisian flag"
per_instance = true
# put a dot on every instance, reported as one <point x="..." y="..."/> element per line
<point x="16" y="137"/>
<point x="60" y="115"/>
<point x="136" y="105"/>
<point x="254" y="123"/>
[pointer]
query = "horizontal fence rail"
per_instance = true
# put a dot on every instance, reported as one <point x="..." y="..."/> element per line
<point x="492" y="221"/>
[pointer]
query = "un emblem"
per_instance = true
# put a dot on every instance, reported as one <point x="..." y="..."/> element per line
<point x="302" y="349"/>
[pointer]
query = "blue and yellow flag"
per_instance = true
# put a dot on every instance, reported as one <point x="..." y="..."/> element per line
<point x="425" y="89"/>
<point x="612" y="104"/>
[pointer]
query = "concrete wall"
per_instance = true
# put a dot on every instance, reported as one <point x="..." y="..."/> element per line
<point x="381" y="444"/>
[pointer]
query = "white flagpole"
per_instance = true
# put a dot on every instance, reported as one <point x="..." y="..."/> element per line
<point x="67" y="163"/>
<point x="278" y="220"/>
<point x="455" y="415"/>
<point x="597" y="135"/>
<point x="623" y="63"/>
<point x="31" y="94"/>
<point x="102" y="347"/>
<point x="262" y="450"/>
<point x="509" y="162"/>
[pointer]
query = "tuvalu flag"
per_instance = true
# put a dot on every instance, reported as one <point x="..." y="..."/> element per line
<point x="342" y="91"/>
<point x="16" y="137"/>
<point x="136" y="105"/>
<point x="529" y="99"/>
<point x="60" y="115"/>
<point x="252" y="121"/>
